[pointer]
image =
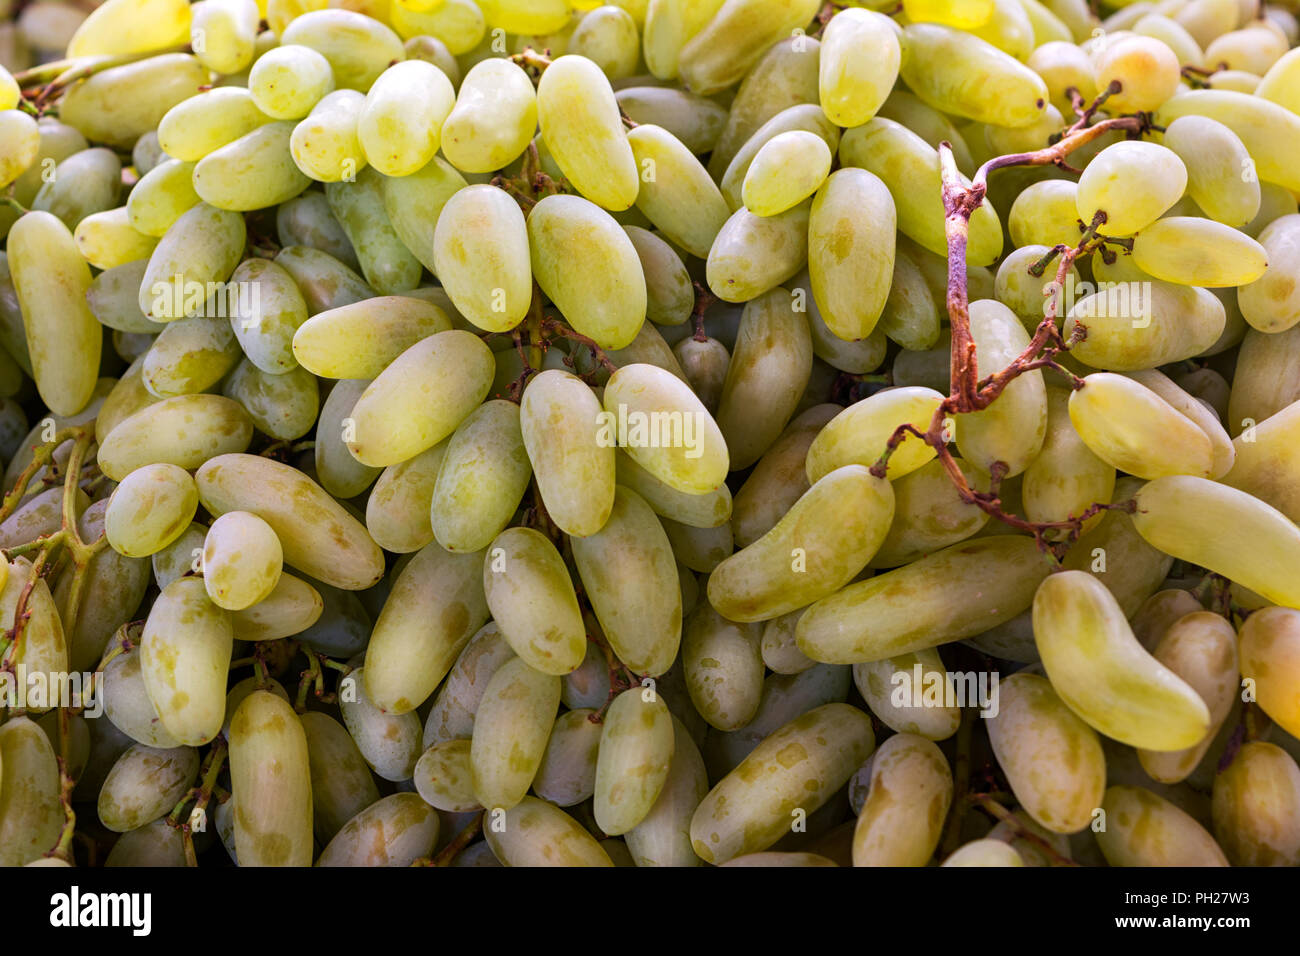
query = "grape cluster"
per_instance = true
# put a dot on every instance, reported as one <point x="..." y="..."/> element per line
<point x="656" y="433"/>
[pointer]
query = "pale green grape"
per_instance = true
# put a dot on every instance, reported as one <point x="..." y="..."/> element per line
<point x="1144" y="829"/>
<point x="754" y="254"/>
<point x="119" y="105"/>
<point x="325" y="145"/>
<point x="122" y="26"/>
<point x="223" y="33"/>
<point x="106" y="239"/>
<point x="531" y="598"/>
<point x="1270" y="133"/>
<point x="457" y="23"/>
<point x="668" y="25"/>
<point x="929" y="514"/>
<point x="161" y="197"/>
<point x="195" y="127"/>
<point x="31" y="818"/>
<point x="695" y="120"/>
<point x="787" y="170"/>
<point x="536" y="833"/>
<point x="1066" y="477"/>
<point x="414" y="205"/>
<point x="362" y="339"/>
<point x="1194" y="251"/>
<point x="1270" y="304"/>
<point x="1217" y="166"/>
<point x="481" y="251"/>
<point x="144" y="784"/>
<point x="511" y="727"/>
<point x="1045" y="214"/>
<point x="202" y="247"/>
<point x="357" y="47"/>
<point x="676" y="193"/>
<point x="910" y="694"/>
<point x="636" y="749"/>
<point x="397" y="511"/>
<point x="400" y="125"/>
<point x="189" y="356"/>
<point x="1140" y="324"/>
<point x="149" y="509"/>
<point x="286" y="83"/>
<point x="859" y="63"/>
<point x="964" y="14"/>
<point x="493" y="119"/>
<point x="894" y="832"/>
<point x="858" y="434"/>
<point x="270" y="774"/>
<point x="808" y="118"/>
<point x="184" y="431"/>
<point x="1131" y="184"/>
<point x="1132" y="428"/>
<point x="341" y="784"/>
<point x="255" y="171"/>
<point x="608" y="37"/>
<point x="442" y="776"/>
<point x="388" y="266"/>
<point x="731" y="41"/>
<point x="22" y="142"/>
<point x="86" y="182"/>
<point x="670" y="298"/>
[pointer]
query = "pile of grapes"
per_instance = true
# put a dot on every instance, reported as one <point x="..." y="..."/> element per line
<point x="657" y="433"/>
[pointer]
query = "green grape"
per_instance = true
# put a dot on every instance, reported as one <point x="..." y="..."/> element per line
<point x="851" y="250"/>
<point x="31" y="818"/>
<point x="325" y="145"/>
<point x="388" y="266"/>
<point x="457" y="23"/>
<point x="1216" y="162"/>
<point x="929" y="514"/>
<point x="636" y="750"/>
<point x="338" y="472"/>
<point x="1270" y="656"/>
<point x="286" y="83"/>
<point x="41" y="514"/>
<point x="766" y="376"/>
<point x="788" y="73"/>
<point x="127" y="704"/>
<point x="676" y="193"/>
<point x="306" y="220"/>
<point x="1045" y="214"/>
<point x="1053" y="760"/>
<point x="579" y="117"/>
<point x="855" y="357"/>
<point x="149" y="509"/>
<point x="161" y="197"/>
<point x="360" y="340"/>
<point x="401" y="123"/>
<point x="184" y="431"/>
<point x="189" y="356"/>
<point x="1269" y="303"/>
<point x="787" y="170"/>
<point x="201" y="248"/>
<point x="341" y="784"/>
<point x="242" y="560"/>
<point x="1066" y="477"/>
<point x="627" y="571"/>
<point x="1141" y="324"/>
<point x="1131" y="184"/>
<point x="50" y="282"/>
<point x="442" y="777"/>
<point x="754" y="254"/>
<point x="859" y="63"/>
<point x="144" y="784"/>
<point x="723" y="668"/>
<point x="1145" y="68"/>
<point x="710" y="510"/>
<point x="185" y="657"/>
<point x="118" y="105"/>
<point x="910" y="169"/>
<point x="22" y="144"/>
<point x="432" y="50"/>
<point x="159" y="844"/>
<point x="1278" y="85"/>
<point x="806" y="118"/>
<point x="669" y="24"/>
<point x="894" y="832"/>
<point x="1222" y="452"/>
<point x="414" y="205"/>
<point x="1201" y="648"/>
<point x="436" y="605"/>
<point x="292" y="607"/>
<point x="525" y="16"/>
<point x="536" y="833"/>
<point x="730" y="42"/>
<point x="266" y="321"/>
<point x="357" y="47"/>
<point x="880" y="682"/>
<point x="699" y="549"/>
<point x="493" y="119"/>
<point x="86" y="182"/>
<point x="750" y="808"/>
<point x="394" y="420"/>
<point x="1194" y="251"/>
<point x="43" y="650"/>
<point x="511" y="728"/>
<point x="223" y="34"/>
<point x="670" y="299"/>
<point x="325" y="282"/>
<point x="318" y="535"/>
<point x="1255" y="806"/>
<point x="482" y="479"/>
<point x="123" y="26"/>
<point x="397" y="511"/>
<point x="1173" y="34"/>
<point x="1062" y="65"/>
<point x="1104" y="675"/>
<point x="452" y="714"/>
<point x="608" y="37"/>
<point x="821" y="544"/>
<point x="481" y="252"/>
<point x="254" y="172"/>
<point x="1144" y="829"/>
<point x="280" y="13"/>
<point x="388" y="742"/>
<point x="567" y="775"/>
<point x="858" y="434"/>
<point x="985" y="582"/>
<point x="1134" y="429"/>
<point x="987" y="852"/>
<point x="201" y="124"/>
<point x="270" y="774"/>
<point x="695" y="120"/>
<point x="662" y="838"/>
<point x="1270" y="133"/>
<point x="531" y="598"/>
<point x="10" y="93"/>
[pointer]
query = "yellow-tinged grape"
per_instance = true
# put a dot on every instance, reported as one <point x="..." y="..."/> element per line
<point x="86" y="182"/>
<point x="536" y="833"/>
<point x="442" y="774"/>
<point x="150" y="509"/>
<point x="698" y="511"/>
<point x="50" y="282"/>
<point x="395" y="418"/>
<point x="1104" y="675"/>
<point x="22" y="143"/>
<point x="1047" y="26"/>
<point x="798" y="767"/>
<point x="266" y="320"/>
<point x="190" y="356"/>
<point x="910" y="168"/>
<point x="195" y="127"/>
<point x="525" y="16"/>
<point x="1062" y="65"/>
<point x="648" y="347"/>
<point x="256" y="171"/>
<point x="1205" y="418"/>
<point x="414" y="205"/>
<point x="859" y="63"/>
<point x="1190" y="250"/>
<point x="663" y="837"/>
<point x="482" y="479"/>
<point x="119" y="105"/>
<point x="669" y="24"/>
<point x="1254" y="49"/>
<point x="1010" y="29"/>
<point x="223" y="34"/>
<point x="630" y="577"/>
<point x="126" y="704"/>
<point x="579" y="117"/>
<point x="907" y="803"/>
<point x="1012" y="429"/>
<point x="821" y="545"/>
<point x="1029" y="296"/>
<point x="395" y="831"/>
<point x="804" y="117"/>
<point x="963" y="14"/>
<point x="1272" y="302"/>
<point x="1256" y="807"/>
<point x="43" y="654"/>
<point x="200" y="249"/>
<point x="929" y="514"/>
<point x="705" y="366"/>
<point x="1141" y="324"/>
<point x="664" y="428"/>
<point x="911" y="694"/>
<point x="185" y="657"/>
<point x="358" y="48"/>
<point x="1066" y="477"/>
<point x="987" y="852"/>
<point x="1218" y="169"/>
<point x="362" y="339"/>
<point x="1281" y="84"/>
<point x="1132" y="183"/>
<point x="338" y="472"/>
<point x="452" y="714"/>
<point x="676" y="193"/>
<point x="1270" y="657"/>
<point x="1131" y="427"/>
<point x="1270" y="133"/>
<point x="318" y="535"/>
<point x="531" y="597"/>
<point x="961" y="74"/>
<point x="608" y="37"/>
<point x="695" y="120"/>
<point x="1184" y="516"/>
<point x="286" y="83"/>
<point x="185" y="431"/>
<point x="1145" y="68"/>
<point x="457" y="23"/>
<point x="432" y="50"/>
<point x="585" y="264"/>
<point x="722" y="52"/>
<point x="787" y="170"/>
<point x="858" y="434"/>
<point x="636" y="748"/>
<point x="754" y="254"/>
<point x="177" y="558"/>
<point x="161" y="197"/>
<point x="434" y="608"/>
<point x="131" y="26"/>
<point x="492" y="120"/>
<point x="31" y="818"/>
<point x="325" y="145"/>
<point x="1143" y="829"/>
<point x="270" y="773"/>
<point x="389" y="743"/>
<point x="242" y="560"/>
<point x="1201" y="648"/>
<point x="511" y="728"/>
<point x="481" y="251"/>
<point x="985" y="582"/>
<point x="10" y="93"/>
<point x="397" y="511"/>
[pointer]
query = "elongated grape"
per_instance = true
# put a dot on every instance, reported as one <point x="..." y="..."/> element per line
<point x="481" y="253"/>
<point x="907" y="803"/>
<point x="149" y="509"/>
<point x="324" y="145"/>
<point x="1194" y="251"/>
<point x="929" y="514"/>
<point x="126" y="702"/>
<point x="184" y="431"/>
<point x="1255" y="806"/>
<point x="202" y="247"/>
<point x="341" y="784"/>
<point x="452" y="714"/>
<point x="226" y="34"/>
<point x="531" y="598"/>
<point x="401" y="123"/>
<point x="1270" y="133"/>
<point x="787" y="170"/>
<point x="1269" y="304"/>
<point x="536" y="833"/>
<point x="1131" y="184"/>
<point x="858" y="434"/>
<point x="493" y="119"/>
<point x="851" y="251"/>
<point x="145" y="784"/>
<point x="361" y="339"/>
<point x="754" y="254"/>
<point x="1143" y="829"/>
<point x="1270" y="657"/>
<point x="801" y="118"/>
<point x="119" y="26"/>
<point x="388" y="742"/>
<point x="270" y="773"/>
<point x="737" y="35"/>
<point x="636" y="749"/>
<point x="859" y="63"/>
<point x="911" y="693"/>
<point x="190" y="355"/>
<point x="195" y="127"/>
<point x="242" y="560"/>
<point x="253" y="172"/>
<point x="1066" y="477"/>
<point x="511" y="727"/>
<point x="287" y="82"/>
<point x="357" y="47"/>
<point x="161" y="196"/>
<point x="1216" y="162"/>
<point x="482" y="478"/>
<point x="1132" y="428"/>
<point x="723" y="668"/>
<point x="953" y="71"/>
<point x="118" y="105"/>
<point x="30" y="815"/>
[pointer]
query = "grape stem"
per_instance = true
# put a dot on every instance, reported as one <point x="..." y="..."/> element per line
<point x="703" y="300"/>
<point x="989" y="804"/>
